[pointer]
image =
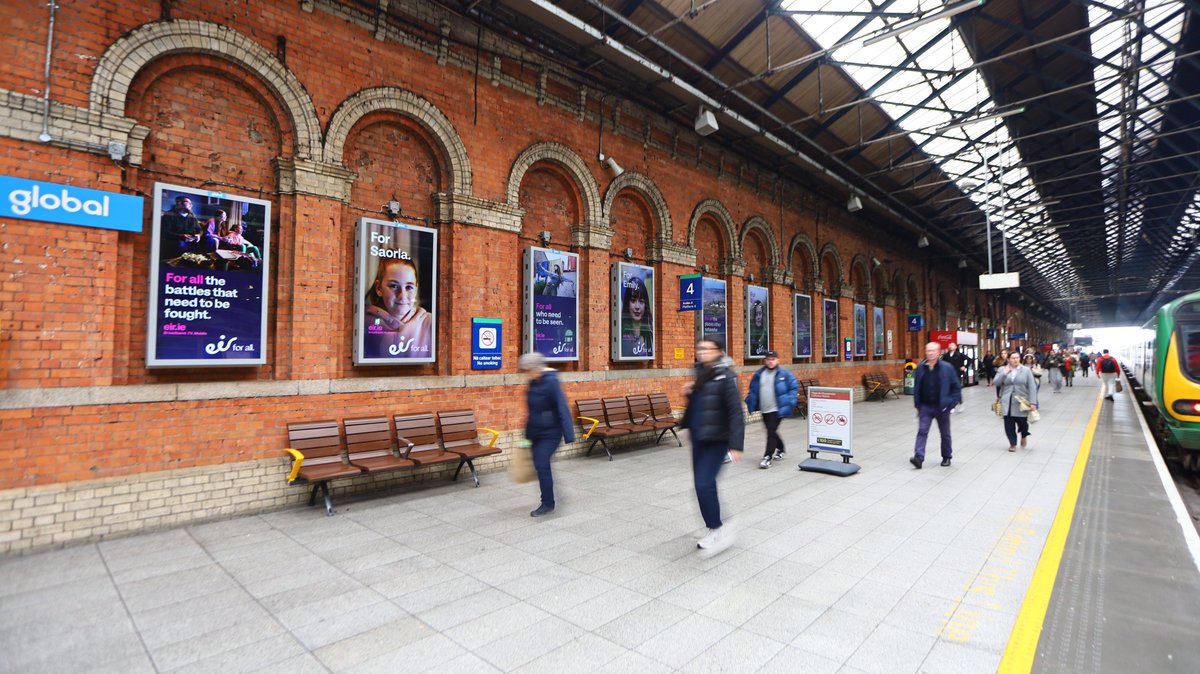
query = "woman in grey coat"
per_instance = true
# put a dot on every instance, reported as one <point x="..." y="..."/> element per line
<point x="1014" y="381"/>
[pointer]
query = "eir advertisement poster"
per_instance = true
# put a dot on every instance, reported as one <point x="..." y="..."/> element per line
<point x="551" y="303"/>
<point x="396" y="293"/>
<point x="209" y="265"/>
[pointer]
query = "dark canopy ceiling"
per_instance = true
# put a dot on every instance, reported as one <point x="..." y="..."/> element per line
<point x="1072" y="125"/>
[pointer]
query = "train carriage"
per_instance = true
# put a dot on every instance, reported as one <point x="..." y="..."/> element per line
<point x="1166" y="364"/>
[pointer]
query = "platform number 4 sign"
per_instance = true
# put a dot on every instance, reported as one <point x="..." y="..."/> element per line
<point x="690" y="292"/>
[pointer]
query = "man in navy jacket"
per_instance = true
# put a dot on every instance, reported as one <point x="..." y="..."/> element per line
<point x="772" y="390"/>
<point x="937" y="389"/>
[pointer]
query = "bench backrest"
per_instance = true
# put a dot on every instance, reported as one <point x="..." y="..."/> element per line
<point x="368" y="438"/>
<point x="420" y="430"/>
<point x="458" y="428"/>
<point x="319" y="441"/>
<point x="616" y="410"/>
<point x="661" y="406"/>
<point x="640" y="407"/>
<point x="591" y="407"/>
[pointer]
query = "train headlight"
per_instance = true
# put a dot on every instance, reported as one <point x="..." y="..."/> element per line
<point x="1189" y="407"/>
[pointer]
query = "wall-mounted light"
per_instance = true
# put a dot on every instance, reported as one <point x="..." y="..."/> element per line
<point x="628" y="253"/>
<point x="116" y="150"/>
<point x="703" y="269"/>
<point x="544" y="237"/>
<point x="923" y="242"/>
<point x="875" y="262"/>
<point x="392" y="208"/>
<point x="613" y="167"/>
<point x="750" y="277"/>
<point x="854" y="204"/>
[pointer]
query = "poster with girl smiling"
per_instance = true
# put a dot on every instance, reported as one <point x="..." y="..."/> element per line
<point x="633" y="312"/>
<point x="396" y="294"/>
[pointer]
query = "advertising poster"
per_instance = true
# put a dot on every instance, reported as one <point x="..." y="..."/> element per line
<point x="712" y="318"/>
<point x="632" y="311"/>
<point x="829" y="320"/>
<point x="758" y="322"/>
<point x="802" y="333"/>
<point x="396" y="293"/>
<point x="877" y="328"/>
<point x="209" y="259"/>
<point x="860" y="329"/>
<point x="551" y="325"/>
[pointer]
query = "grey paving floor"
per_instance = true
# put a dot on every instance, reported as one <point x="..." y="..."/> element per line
<point x="891" y="570"/>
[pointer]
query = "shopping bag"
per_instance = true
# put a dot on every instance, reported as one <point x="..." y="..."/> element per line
<point x="1120" y="387"/>
<point x="520" y="463"/>
<point x="1034" y="416"/>
<point x="998" y="408"/>
<point x="1025" y="406"/>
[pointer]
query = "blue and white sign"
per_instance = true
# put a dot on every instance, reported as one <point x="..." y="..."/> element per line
<point x="915" y="323"/>
<point x="486" y="343"/>
<point x="1017" y="336"/>
<point x="69" y="205"/>
<point x="690" y="292"/>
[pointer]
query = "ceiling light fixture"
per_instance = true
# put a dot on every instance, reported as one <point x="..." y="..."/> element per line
<point x="706" y="122"/>
<point x="943" y="14"/>
<point x="854" y="204"/>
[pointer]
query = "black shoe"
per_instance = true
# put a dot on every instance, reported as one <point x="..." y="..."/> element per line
<point x="1108" y="397"/>
<point x="945" y="462"/>
<point x="916" y="462"/>
<point x="542" y="510"/>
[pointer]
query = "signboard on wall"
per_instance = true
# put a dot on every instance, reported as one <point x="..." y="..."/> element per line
<point x="829" y="321"/>
<point x="209" y="259"/>
<point x="395" y="318"/>
<point x="758" y="321"/>
<point x="70" y="205"/>
<point x="632" y="312"/>
<point x="712" y="319"/>
<point x="551" y="303"/>
<point x="690" y="295"/>
<point x="877" y="329"/>
<point x="802" y="325"/>
<point x="487" y="352"/>
<point x="916" y="323"/>
<point x="860" y="329"/>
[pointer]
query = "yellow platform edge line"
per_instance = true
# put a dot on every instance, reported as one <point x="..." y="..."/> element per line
<point x="1022" y="643"/>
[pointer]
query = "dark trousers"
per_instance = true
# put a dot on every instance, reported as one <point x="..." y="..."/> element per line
<point x="925" y="416"/>
<point x="1012" y="425"/>
<point x="771" y="421"/>
<point x="706" y="463"/>
<point x="542" y="451"/>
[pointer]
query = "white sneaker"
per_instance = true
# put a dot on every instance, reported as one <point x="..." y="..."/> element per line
<point x="765" y="463"/>
<point x="779" y="454"/>
<point x="718" y="541"/>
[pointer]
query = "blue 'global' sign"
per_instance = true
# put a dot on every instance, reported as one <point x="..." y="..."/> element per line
<point x="69" y="205"/>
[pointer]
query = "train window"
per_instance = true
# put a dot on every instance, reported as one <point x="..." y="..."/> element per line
<point x="1189" y="341"/>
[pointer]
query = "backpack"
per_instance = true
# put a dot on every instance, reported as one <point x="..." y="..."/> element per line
<point x="1108" y="364"/>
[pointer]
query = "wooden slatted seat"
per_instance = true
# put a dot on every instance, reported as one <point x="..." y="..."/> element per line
<point x="317" y="458"/>
<point x="460" y="436"/>
<point x="369" y="445"/>
<point x="591" y="416"/>
<point x="878" y="385"/>
<point x="418" y="433"/>
<point x="643" y="409"/>
<point x="616" y="411"/>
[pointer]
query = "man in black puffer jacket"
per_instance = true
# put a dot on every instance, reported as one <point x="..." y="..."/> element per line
<point x="718" y="426"/>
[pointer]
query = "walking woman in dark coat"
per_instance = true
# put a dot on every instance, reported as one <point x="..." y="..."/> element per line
<point x="718" y="426"/>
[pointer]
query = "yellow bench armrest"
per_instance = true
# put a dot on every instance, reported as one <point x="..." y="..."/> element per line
<point x="495" y="434"/>
<point x="298" y="459"/>
<point x="595" y="423"/>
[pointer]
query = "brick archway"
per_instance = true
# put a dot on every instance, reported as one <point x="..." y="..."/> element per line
<point x="570" y="162"/>
<point x="646" y="187"/>
<point x="759" y="224"/>
<point x="410" y="105"/>
<point x="721" y="214"/>
<point x="123" y="60"/>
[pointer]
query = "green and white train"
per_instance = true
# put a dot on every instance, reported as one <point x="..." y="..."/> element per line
<point x="1165" y="370"/>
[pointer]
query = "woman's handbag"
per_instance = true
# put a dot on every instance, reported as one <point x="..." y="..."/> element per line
<point x="1038" y="371"/>
<point x="998" y="408"/>
<point x="520" y="463"/>
<point x="1034" y="416"/>
<point x="1119" y="386"/>
<point x="1025" y="406"/>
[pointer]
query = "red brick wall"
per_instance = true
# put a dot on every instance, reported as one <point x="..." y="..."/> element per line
<point x="73" y="300"/>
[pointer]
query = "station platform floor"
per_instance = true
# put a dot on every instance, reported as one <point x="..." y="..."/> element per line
<point x="890" y="570"/>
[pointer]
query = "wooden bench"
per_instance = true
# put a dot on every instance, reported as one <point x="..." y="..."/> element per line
<point x="802" y="396"/>
<point x="373" y="447"/>
<point x="642" y="408"/>
<point x="591" y="411"/>
<point x="460" y="436"/>
<point x="878" y="385"/>
<point x="616" y="417"/>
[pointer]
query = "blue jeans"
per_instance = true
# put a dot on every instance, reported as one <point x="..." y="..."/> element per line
<point x="925" y="416"/>
<point x="542" y="450"/>
<point x="706" y="463"/>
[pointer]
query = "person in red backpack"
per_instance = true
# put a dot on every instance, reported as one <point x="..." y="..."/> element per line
<point x="1106" y="367"/>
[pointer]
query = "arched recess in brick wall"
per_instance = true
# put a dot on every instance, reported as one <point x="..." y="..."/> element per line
<point x="407" y="104"/>
<point x="831" y="269"/>
<point x="716" y="211"/>
<point x="860" y="278"/>
<point x="649" y="193"/>
<point x="393" y="158"/>
<point x="899" y="290"/>
<point x="570" y="163"/>
<point x="914" y="295"/>
<point x="757" y="226"/>
<point x="803" y="261"/>
<point x="122" y="61"/>
<point x="879" y="285"/>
